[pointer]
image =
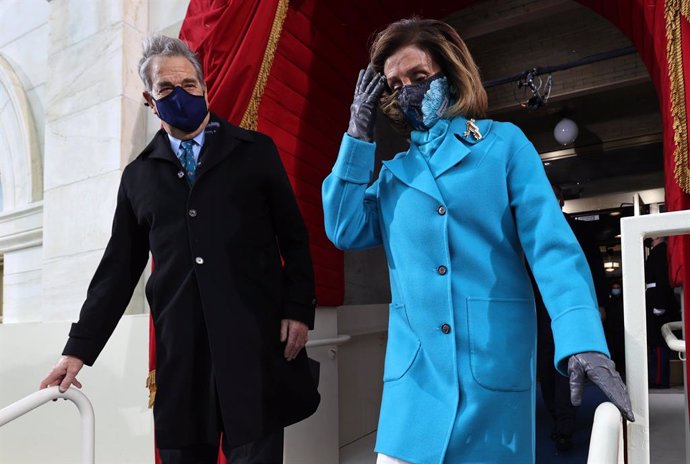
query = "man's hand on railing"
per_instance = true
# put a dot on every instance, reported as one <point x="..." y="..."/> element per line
<point x="64" y="374"/>
<point x="602" y="371"/>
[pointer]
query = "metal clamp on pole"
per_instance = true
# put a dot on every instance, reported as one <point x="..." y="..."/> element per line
<point x="332" y="342"/>
<point x="671" y="339"/>
<point x="36" y="399"/>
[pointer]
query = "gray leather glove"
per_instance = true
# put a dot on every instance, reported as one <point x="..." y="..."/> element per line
<point x="363" y="110"/>
<point x="602" y="371"/>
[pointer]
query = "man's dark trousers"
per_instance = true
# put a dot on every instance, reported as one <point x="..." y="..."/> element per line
<point x="268" y="450"/>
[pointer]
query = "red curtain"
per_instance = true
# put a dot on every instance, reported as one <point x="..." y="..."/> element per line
<point x="230" y="37"/>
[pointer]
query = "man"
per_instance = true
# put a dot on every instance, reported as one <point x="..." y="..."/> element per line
<point x="614" y="327"/>
<point x="661" y="308"/>
<point x="232" y="292"/>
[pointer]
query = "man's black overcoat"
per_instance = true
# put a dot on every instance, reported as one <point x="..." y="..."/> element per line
<point x="231" y="259"/>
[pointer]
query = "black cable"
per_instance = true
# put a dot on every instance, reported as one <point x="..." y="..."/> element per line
<point x="562" y="67"/>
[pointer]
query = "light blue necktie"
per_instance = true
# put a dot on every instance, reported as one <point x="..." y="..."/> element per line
<point x="186" y="156"/>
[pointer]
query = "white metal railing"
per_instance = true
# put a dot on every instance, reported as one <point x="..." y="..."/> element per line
<point x="671" y="339"/>
<point x="339" y="340"/>
<point x="606" y="442"/>
<point x="332" y="342"/>
<point x="36" y="399"/>
<point x="633" y="231"/>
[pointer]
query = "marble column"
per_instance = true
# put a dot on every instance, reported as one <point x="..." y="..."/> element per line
<point x="95" y="122"/>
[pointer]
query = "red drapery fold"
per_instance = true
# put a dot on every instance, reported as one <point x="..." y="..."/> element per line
<point x="230" y="37"/>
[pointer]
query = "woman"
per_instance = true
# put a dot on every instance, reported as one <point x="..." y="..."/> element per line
<point x="457" y="214"/>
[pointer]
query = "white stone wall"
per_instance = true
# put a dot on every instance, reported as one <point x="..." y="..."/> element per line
<point x="74" y="65"/>
<point x="51" y="433"/>
<point x="23" y="43"/>
<point x="23" y="77"/>
<point x="93" y="123"/>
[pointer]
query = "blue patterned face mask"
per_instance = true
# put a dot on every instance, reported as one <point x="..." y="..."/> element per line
<point x="423" y="103"/>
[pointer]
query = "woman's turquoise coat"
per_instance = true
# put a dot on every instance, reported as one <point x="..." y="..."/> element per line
<point x="459" y="376"/>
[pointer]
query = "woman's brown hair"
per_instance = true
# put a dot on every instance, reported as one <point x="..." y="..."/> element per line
<point x="449" y="52"/>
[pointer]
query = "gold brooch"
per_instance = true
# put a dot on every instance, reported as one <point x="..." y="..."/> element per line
<point x="473" y="129"/>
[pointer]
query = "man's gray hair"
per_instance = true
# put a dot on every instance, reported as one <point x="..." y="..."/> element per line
<point x="160" y="45"/>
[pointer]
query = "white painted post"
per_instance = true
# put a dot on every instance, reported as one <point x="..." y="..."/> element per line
<point x="607" y="436"/>
<point x="633" y="231"/>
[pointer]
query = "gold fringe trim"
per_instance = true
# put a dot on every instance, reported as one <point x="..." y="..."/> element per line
<point x="250" y="120"/>
<point x="151" y="385"/>
<point x="675" y="12"/>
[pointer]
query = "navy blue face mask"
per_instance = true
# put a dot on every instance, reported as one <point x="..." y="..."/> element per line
<point x="182" y="110"/>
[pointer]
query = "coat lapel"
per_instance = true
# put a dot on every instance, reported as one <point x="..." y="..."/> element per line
<point x="159" y="148"/>
<point x="221" y="139"/>
<point x="449" y="153"/>
<point x="458" y="144"/>
<point x="413" y="170"/>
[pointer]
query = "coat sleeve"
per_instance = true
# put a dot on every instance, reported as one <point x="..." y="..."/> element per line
<point x="299" y="300"/>
<point x="112" y="285"/>
<point x="554" y="255"/>
<point x="350" y="206"/>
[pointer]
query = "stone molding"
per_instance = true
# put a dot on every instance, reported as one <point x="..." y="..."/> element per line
<point x="22" y="170"/>
<point x="21" y="228"/>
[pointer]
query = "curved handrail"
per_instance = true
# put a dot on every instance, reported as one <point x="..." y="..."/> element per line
<point x="607" y="432"/>
<point x="36" y="399"/>
<point x="671" y="339"/>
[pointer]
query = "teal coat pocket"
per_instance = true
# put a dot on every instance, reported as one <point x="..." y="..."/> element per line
<point x="501" y="335"/>
<point x="403" y="345"/>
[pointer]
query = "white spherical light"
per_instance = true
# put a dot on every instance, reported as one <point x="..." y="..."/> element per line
<point x="565" y="131"/>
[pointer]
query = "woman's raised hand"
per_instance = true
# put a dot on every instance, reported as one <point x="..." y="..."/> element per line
<point x="368" y="90"/>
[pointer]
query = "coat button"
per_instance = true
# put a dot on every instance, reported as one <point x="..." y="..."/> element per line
<point x="442" y="270"/>
<point x="180" y="174"/>
<point x="441" y="210"/>
<point x="192" y="212"/>
<point x="445" y="328"/>
<point x="199" y="260"/>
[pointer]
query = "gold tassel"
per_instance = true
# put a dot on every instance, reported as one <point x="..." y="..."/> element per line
<point x="250" y="120"/>
<point x="151" y="385"/>
<point x="675" y="12"/>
